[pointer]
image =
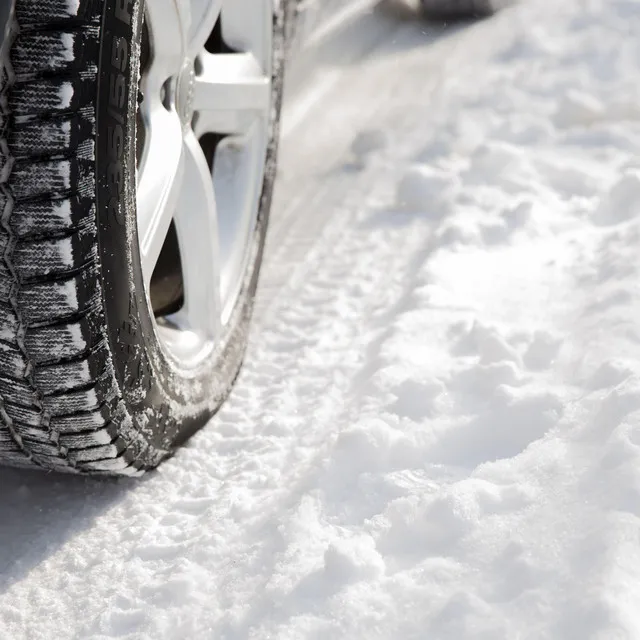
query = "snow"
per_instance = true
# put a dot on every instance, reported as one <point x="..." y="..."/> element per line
<point x="425" y="190"/>
<point x="68" y="42"/>
<point x="66" y="94"/>
<point x="367" y="142"/>
<point x="73" y="6"/>
<point x="436" y="432"/>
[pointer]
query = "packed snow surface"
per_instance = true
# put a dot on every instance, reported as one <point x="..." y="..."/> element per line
<point x="437" y="430"/>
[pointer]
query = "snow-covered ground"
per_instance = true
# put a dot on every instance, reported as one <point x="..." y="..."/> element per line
<point x="437" y="430"/>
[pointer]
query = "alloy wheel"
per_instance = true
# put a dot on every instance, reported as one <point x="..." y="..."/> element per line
<point x="206" y="99"/>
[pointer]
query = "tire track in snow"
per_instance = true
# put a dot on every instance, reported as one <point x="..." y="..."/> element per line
<point x="343" y="275"/>
<point x="252" y="451"/>
<point x="347" y="252"/>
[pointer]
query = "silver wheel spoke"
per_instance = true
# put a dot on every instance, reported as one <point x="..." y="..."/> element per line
<point x="159" y="184"/>
<point x="205" y="14"/>
<point x="197" y="228"/>
<point x="254" y="35"/>
<point x="169" y="23"/>
<point x="231" y="91"/>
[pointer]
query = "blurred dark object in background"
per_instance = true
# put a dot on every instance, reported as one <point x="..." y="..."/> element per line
<point x="451" y="9"/>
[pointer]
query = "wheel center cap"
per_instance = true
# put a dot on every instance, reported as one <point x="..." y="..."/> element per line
<point x="185" y="89"/>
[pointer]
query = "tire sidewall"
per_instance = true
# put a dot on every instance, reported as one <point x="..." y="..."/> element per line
<point x="165" y="404"/>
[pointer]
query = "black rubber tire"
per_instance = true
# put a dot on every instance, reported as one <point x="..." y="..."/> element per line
<point x="452" y="9"/>
<point x="84" y="386"/>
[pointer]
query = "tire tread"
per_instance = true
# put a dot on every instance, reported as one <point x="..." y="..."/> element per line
<point x="58" y="397"/>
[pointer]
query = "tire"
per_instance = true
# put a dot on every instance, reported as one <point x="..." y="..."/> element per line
<point x="85" y="384"/>
<point x="453" y="9"/>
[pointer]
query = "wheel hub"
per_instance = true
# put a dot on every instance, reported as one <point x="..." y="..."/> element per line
<point x="185" y="88"/>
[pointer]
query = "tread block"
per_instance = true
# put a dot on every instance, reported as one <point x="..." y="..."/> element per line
<point x="97" y="438"/>
<point x="18" y="391"/>
<point x="6" y="289"/>
<point x="34" y="259"/>
<point x="42" y="301"/>
<point x="55" y="137"/>
<point x="50" y="177"/>
<point x="45" y="257"/>
<point x="8" y="444"/>
<point x="24" y="417"/>
<point x="5" y="240"/>
<point x="82" y="421"/>
<point x="120" y="465"/>
<point x="67" y="375"/>
<point x="46" y="344"/>
<point x="48" y="52"/>
<point x="39" y="448"/>
<point x="36" y="11"/>
<point x="84" y="399"/>
<point x="46" y="96"/>
<point x="32" y="433"/>
<point x="52" y="217"/>
<point x="8" y="324"/>
<point x="13" y="455"/>
<point x="12" y="361"/>
<point x="94" y="454"/>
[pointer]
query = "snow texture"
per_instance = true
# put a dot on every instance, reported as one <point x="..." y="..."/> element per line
<point x="66" y="95"/>
<point x="73" y="6"/>
<point x="437" y="431"/>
